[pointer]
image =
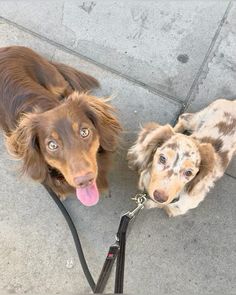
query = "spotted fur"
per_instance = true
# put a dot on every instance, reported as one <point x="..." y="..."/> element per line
<point x="206" y="151"/>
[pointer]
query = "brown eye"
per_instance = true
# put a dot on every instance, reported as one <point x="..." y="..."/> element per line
<point x="84" y="132"/>
<point x="52" y="145"/>
<point x="188" y="173"/>
<point x="162" y="160"/>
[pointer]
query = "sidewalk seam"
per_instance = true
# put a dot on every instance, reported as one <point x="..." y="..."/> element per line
<point x="188" y="100"/>
<point x="92" y="61"/>
<point x="230" y="176"/>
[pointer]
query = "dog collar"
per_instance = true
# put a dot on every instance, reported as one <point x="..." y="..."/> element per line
<point x="175" y="200"/>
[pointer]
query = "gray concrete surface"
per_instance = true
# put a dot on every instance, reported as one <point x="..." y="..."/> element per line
<point x="157" y="59"/>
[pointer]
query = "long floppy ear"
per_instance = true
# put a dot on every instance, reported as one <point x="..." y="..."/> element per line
<point x="199" y="183"/>
<point x="23" y="144"/>
<point x="151" y="136"/>
<point x="101" y="113"/>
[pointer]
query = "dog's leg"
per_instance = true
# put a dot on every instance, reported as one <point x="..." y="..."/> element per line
<point x="194" y="121"/>
<point x="103" y="186"/>
<point x="104" y="162"/>
<point x="185" y="203"/>
<point x="185" y="123"/>
<point x="190" y="122"/>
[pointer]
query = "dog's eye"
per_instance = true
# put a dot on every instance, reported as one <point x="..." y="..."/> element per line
<point x="162" y="160"/>
<point x="52" y="145"/>
<point x="84" y="132"/>
<point x="188" y="173"/>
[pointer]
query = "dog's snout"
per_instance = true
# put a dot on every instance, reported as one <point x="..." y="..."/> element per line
<point x="84" y="180"/>
<point x="160" y="196"/>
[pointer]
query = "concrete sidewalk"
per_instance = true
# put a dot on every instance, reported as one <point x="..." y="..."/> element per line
<point x="160" y="59"/>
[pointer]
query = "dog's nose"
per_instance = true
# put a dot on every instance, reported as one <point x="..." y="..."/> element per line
<point x="160" y="196"/>
<point x="84" y="180"/>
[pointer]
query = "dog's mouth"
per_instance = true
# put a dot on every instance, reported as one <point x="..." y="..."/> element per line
<point x="165" y="203"/>
<point x="88" y="196"/>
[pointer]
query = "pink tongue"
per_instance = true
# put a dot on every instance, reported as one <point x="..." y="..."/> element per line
<point x="89" y="195"/>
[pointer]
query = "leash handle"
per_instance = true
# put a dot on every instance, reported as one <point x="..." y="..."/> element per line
<point x="115" y="251"/>
<point x="107" y="267"/>
<point x="118" y="250"/>
<point x="140" y="200"/>
<point x="120" y="266"/>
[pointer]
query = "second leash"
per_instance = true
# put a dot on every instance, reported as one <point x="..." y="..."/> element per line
<point x="117" y="250"/>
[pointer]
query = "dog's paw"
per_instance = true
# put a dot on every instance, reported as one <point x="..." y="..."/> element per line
<point x="105" y="194"/>
<point x="172" y="210"/>
<point x="63" y="197"/>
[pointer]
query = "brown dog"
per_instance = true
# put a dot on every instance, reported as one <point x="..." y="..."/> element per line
<point x="178" y="170"/>
<point x="64" y="138"/>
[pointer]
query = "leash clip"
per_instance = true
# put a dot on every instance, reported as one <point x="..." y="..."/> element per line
<point x="140" y="200"/>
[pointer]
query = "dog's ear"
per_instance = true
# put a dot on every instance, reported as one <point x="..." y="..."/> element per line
<point x="102" y="114"/>
<point x="149" y="139"/>
<point x="23" y="144"/>
<point x="207" y="163"/>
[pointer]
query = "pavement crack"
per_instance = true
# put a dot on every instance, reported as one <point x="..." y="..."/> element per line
<point x="195" y="83"/>
<point x="227" y="174"/>
<point x="62" y="47"/>
<point x="74" y="38"/>
<point x="53" y="55"/>
<point x="62" y="14"/>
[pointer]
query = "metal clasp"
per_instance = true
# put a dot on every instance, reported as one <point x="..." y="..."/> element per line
<point x="140" y="200"/>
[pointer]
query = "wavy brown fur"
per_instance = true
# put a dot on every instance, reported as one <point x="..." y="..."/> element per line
<point x="37" y="101"/>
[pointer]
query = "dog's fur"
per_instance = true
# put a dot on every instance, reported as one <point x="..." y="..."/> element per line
<point x="42" y="101"/>
<point x="164" y="156"/>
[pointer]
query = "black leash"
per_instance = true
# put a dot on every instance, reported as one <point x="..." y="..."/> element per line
<point x="75" y="236"/>
<point x="116" y="251"/>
